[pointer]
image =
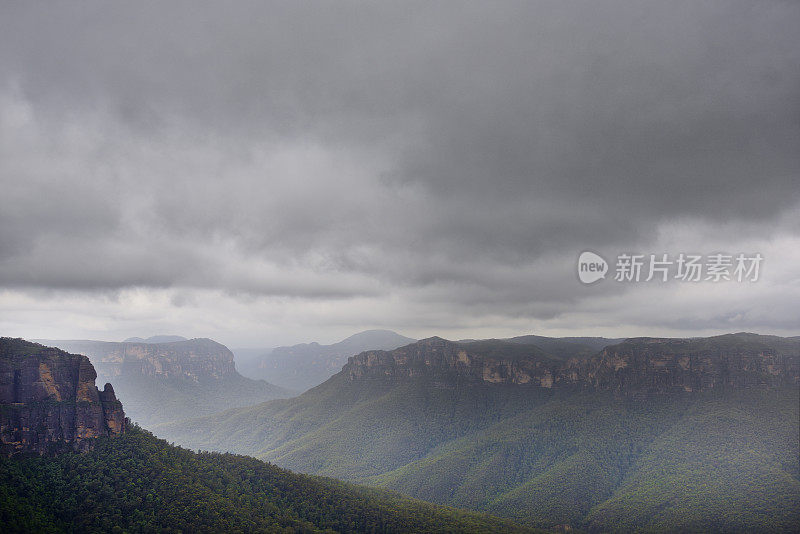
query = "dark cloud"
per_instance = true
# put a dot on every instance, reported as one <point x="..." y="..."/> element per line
<point x="443" y="153"/>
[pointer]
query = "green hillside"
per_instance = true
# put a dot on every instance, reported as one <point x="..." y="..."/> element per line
<point x="719" y="463"/>
<point x="137" y="483"/>
<point x="580" y="459"/>
<point x="717" y="460"/>
<point x="722" y="467"/>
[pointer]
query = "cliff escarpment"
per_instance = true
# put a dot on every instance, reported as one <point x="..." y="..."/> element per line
<point x="636" y="366"/>
<point x="444" y="361"/>
<point x="49" y="401"/>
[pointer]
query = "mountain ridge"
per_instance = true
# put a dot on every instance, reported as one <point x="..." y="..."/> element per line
<point x="629" y="367"/>
<point x="488" y="430"/>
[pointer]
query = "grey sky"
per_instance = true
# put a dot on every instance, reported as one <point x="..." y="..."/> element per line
<point x="265" y="173"/>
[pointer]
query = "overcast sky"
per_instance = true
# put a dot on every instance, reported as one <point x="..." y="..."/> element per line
<point x="271" y="173"/>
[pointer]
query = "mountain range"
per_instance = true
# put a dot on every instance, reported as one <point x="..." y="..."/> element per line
<point x="645" y="434"/>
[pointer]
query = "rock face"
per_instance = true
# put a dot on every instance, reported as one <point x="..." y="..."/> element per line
<point x="193" y="360"/>
<point x="49" y="401"/>
<point x="639" y="366"/>
<point x="446" y="362"/>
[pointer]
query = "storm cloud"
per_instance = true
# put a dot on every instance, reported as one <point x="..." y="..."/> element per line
<point x="306" y="169"/>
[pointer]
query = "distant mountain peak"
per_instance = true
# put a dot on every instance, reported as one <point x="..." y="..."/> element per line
<point x="435" y="339"/>
<point x="306" y="365"/>
<point x="374" y="332"/>
<point x="436" y="342"/>
<point x="377" y="338"/>
<point x="156" y="339"/>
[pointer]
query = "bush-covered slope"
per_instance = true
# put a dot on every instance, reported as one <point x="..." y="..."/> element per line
<point x="724" y="466"/>
<point x="138" y="483"/>
<point x="719" y="463"/>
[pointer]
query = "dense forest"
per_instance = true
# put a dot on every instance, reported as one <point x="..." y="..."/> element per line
<point x="138" y="483"/>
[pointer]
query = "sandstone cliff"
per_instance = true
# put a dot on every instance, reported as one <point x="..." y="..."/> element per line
<point x="49" y="401"/>
<point x="446" y="361"/>
<point x="654" y="365"/>
<point x="193" y="360"/>
<point x="639" y="366"/>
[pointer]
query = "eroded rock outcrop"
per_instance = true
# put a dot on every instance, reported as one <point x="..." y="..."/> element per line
<point x="639" y="366"/>
<point x="49" y="401"/>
